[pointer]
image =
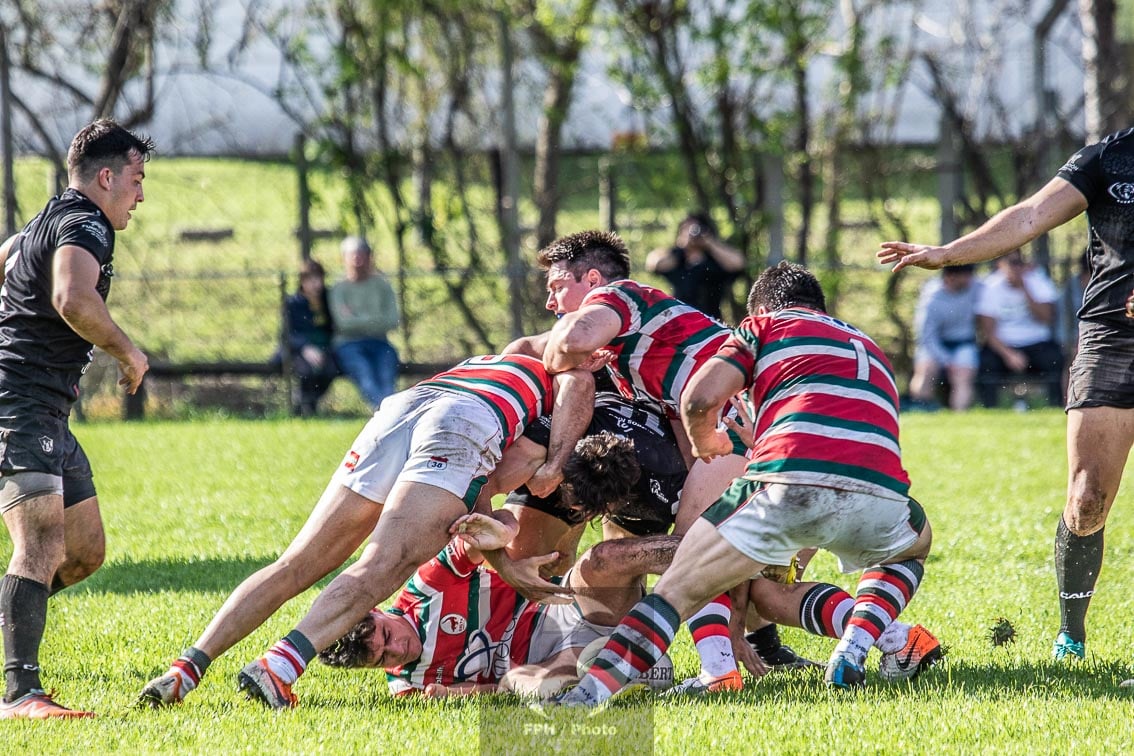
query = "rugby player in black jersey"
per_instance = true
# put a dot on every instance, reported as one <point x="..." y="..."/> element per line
<point x="56" y="277"/>
<point x="1098" y="179"/>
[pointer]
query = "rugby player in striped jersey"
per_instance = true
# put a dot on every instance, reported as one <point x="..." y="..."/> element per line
<point x="460" y="629"/>
<point x="416" y="467"/>
<point x="655" y="343"/>
<point x="825" y="470"/>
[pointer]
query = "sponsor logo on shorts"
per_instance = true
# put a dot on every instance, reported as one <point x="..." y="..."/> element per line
<point x="437" y="463"/>
<point x="453" y="624"/>
<point x="1081" y="595"/>
<point x="47" y="444"/>
<point x="351" y="461"/>
<point x="1122" y="191"/>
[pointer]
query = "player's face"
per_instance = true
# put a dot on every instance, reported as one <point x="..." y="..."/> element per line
<point x="564" y="293"/>
<point x="124" y="191"/>
<point x="394" y="642"/>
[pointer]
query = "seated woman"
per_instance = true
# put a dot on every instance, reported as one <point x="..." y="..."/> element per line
<point x="309" y="330"/>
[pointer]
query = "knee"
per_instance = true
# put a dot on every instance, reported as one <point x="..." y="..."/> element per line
<point x="1086" y="506"/>
<point x="82" y="566"/>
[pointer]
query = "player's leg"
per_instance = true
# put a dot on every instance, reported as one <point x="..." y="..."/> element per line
<point x="414" y="526"/>
<point x="83" y="535"/>
<point x="823" y="609"/>
<point x="607" y="580"/>
<point x="1098" y="443"/>
<point x="32" y="506"/>
<point x="84" y="544"/>
<point x="705" y="565"/>
<point x="896" y="539"/>
<point x="339" y="523"/>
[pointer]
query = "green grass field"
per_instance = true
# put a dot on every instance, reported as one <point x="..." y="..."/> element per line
<point x="192" y="508"/>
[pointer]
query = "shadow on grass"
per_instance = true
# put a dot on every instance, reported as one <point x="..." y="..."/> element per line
<point x="154" y="575"/>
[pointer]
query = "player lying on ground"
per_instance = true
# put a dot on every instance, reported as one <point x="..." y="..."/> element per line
<point x="459" y="629"/>
<point x="825" y="462"/>
<point x="414" y="469"/>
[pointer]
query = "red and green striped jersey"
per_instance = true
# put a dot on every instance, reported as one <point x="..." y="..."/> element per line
<point x="826" y="403"/>
<point x="515" y="386"/>
<point x="473" y="626"/>
<point x="662" y="340"/>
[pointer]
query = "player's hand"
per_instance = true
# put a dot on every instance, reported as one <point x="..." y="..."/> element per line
<point x="903" y="254"/>
<point x="744" y="653"/>
<point x="743" y="425"/>
<point x="133" y="368"/>
<point x="482" y="532"/>
<point x="717" y="445"/>
<point x="1130" y="305"/>
<point x="523" y="575"/>
<point x="545" y="480"/>
<point x="598" y="360"/>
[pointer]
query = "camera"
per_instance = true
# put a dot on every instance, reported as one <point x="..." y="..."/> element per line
<point x="694" y="231"/>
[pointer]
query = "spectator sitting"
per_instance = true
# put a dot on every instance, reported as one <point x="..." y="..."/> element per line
<point x="364" y="310"/>
<point x="700" y="267"/>
<point x="1015" y="315"/>
<point x="946" y="338"/>
<point x="309" y="329"/>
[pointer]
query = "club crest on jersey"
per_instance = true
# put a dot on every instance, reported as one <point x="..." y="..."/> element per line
<point x="1122" y="191"/>
<point x="453" y="624"/>
<point x="47" y="444"/>
<point x="351" y="461"/>
<point x="437" y="463"/>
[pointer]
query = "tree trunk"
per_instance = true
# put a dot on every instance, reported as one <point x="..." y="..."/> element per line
<point x="556" y="102"/>
<point x="1104" y="77"/>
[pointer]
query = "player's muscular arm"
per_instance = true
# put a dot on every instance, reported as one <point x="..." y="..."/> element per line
<point x="578" y="334"/>
<point x="574" y="405"/>
<point x="710" y="387"/>
<point x="532" y="346"/>
<point x="1053" y="205"/>
<point x="75" y="297"/>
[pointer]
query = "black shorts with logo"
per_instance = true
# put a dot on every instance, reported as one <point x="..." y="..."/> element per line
<point x="1102" y="374"/>
<point x="34" y="438"/>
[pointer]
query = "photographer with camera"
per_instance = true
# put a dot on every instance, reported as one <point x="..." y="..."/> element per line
<point x="699" y="266"/>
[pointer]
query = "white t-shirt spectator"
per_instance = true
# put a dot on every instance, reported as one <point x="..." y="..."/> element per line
<point x="1008" y="306"/>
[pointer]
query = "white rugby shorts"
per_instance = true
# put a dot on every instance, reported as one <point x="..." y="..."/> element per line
<point x="424" y="435"/>
<point x="770" y="522"/>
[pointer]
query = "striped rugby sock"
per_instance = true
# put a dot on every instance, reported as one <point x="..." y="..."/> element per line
<point x="288" y="658"/>
<point x="883" y="593"/>
<point x="709" y="628"/>
<point x="636" y="645"/>
<point x="825" y="609"/>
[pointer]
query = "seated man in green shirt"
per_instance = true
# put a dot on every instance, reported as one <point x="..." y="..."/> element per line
<point x="364" y="310"/>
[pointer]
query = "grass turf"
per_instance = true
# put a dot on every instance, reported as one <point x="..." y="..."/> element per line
<point x="193" y="508"/>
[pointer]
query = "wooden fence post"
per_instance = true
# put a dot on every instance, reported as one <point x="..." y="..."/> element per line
<point x="608" y="198"/>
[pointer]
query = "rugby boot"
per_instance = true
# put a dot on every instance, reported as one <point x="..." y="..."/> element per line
<point x="921" y="652"/>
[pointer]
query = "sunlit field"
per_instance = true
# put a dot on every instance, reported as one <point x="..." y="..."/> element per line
<point x="193" y="508"/>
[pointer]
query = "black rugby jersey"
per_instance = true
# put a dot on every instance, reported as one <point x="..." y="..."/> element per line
<point x="1104" y="173"/>
<point x="663" y="469"/>
<point x="40" y="355"/>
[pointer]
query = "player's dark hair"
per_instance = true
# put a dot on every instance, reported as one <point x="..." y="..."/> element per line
<point x="350" y="650"/>
<point x="786" y="285"/>
<point x="104" y="144"/>
<point x="600" y="474"/>
<point x="602" y="250"/>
